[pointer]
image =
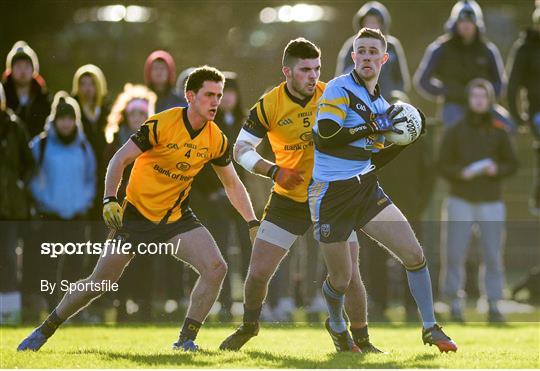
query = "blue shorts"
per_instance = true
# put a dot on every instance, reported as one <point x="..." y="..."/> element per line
<point x="339" y="207"/>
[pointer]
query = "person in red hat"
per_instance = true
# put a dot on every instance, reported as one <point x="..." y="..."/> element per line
<point x="160" y="77"/>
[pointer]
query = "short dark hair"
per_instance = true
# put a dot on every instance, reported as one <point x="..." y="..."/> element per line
<point x="299" y="48"/>
<point x="199" y="75"/>
<point x="371" y="33"/>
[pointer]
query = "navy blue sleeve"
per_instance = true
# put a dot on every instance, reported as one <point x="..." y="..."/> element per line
<point x="496" y="68"/>
<point x="428" y="70"/>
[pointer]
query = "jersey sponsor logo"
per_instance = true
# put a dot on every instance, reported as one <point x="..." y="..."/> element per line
<point x="285" y="122"/>
<point x="183" y="166"/>
<point x="297" y="147"/>
<point x="173" y="146"/>
<point x="354" y="130"/>
<point x="202" y="152"/>
<point x="170" y="174"/>
<point x="325" y="230"/>
<point x="191" y="146"/>
<point x="307" y="136"/>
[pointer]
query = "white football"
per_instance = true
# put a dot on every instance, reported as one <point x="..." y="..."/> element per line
<point x="411" y="128"/>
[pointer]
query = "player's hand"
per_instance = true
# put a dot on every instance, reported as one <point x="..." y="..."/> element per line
<point x="112" y="213"/>
<point x="288" y="178"/>
<point x="385" y="122"/>
<point x="253" y="229"/>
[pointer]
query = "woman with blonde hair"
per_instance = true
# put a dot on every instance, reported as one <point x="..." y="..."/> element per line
<point x="89" y="89"/>
<point x="130" y="110"/>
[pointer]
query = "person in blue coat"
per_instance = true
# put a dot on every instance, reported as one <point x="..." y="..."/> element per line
<point x="64" y="183"/>
<point x="462" y="54"/>
<point x="63" y="189"/>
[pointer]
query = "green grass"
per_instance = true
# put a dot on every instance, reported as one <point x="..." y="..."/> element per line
<point x="516" y="345"/>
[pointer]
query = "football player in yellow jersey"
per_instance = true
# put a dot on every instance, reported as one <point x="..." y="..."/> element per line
<point x="287" y="114"/>
<point x="169" y="150"/>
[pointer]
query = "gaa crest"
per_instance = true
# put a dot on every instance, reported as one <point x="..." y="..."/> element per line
<point x="325" y="230"/>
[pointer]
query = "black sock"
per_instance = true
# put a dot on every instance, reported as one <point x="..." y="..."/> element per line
<point x="360" y="335"/>
<point x="252" y="315"/>
<point x="190" y="329"/>
<point x="49" y="326"/>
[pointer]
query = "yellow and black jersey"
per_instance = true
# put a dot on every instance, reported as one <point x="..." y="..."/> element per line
<point x="287" y="121"/>
<point x="174" y="153"/>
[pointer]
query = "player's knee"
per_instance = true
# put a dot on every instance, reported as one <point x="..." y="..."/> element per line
<point x="216" y="271"/>
<point x="340" y="282"/>
<point x="104" y="275"/>
<point x="413" y="256"/>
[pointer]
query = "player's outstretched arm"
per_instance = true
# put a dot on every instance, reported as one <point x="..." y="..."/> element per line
<point x="112" y="212"/>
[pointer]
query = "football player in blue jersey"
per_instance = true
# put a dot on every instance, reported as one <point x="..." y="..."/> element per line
<point x="345" y="194"/>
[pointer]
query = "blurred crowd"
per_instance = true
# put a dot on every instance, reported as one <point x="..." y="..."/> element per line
<point x="54" y="154"/>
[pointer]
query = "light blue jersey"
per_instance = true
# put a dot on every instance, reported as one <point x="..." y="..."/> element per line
<point x="347" y="102"/>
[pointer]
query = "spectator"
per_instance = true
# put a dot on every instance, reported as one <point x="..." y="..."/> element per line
<point x="89" y="89"/>
<point x="181" y="82"/>
<point x="16" y="164"/>
<point x="456" y="58"/>
<point x="475" y="155"/>
<point x="63" y="189"/>
<point x="394" y="73"/>
<point x="524" y="70"/>
<point x="131" y="109"/>
<point x="26" y="93"/>
<point x="160" y="75"/>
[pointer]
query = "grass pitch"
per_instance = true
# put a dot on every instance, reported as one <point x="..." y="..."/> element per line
<point x="516" y="345"/>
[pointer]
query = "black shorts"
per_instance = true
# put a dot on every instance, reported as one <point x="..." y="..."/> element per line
<point x="339" y="207"/>
<point x="136" y="228"/>
<point x="290" y="215"/>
